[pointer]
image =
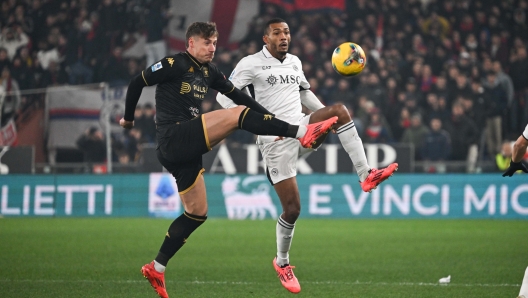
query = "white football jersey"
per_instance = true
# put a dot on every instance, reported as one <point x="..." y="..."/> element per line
<point x="276" y="84"/>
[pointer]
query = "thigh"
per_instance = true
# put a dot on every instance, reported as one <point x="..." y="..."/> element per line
<point x="186" y="174"/>
<point x="280" y="158"/>
<point x="183" y="142"/>
<point x="221" y="123"/>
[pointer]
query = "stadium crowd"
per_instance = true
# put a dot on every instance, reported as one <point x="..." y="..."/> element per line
<point x="447" y="76"/>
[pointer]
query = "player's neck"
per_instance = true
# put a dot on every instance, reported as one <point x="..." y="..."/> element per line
<point x="194" y="58"/>
<point x="277" y="55"/>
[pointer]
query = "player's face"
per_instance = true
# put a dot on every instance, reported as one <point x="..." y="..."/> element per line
<point x="278" y="39"/>
<point x="203" y="49"/>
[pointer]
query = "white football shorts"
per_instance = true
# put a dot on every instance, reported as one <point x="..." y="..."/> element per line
<point x="281" y="156"/>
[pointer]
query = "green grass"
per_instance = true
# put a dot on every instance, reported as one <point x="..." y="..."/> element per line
<point x="334" y="258"/>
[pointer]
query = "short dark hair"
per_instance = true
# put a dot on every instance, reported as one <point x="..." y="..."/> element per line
<point x="272" y="21"/>
<point x="201" y="29"/>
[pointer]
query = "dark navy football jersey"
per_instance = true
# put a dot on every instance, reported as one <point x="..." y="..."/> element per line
<point x="182" y="83"/>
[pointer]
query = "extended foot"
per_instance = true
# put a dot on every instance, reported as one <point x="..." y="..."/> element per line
<point x="287" y="278"/>
<point x="315" y="130"/>
<point x="375" y="177"/>
<point x="156" y="279"/>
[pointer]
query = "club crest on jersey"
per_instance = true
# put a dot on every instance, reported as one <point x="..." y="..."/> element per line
<point x="295" y="67"/>
<point x="156" y="67"/>
<point x="205" y="72"/>
<point x="272" y="80"/>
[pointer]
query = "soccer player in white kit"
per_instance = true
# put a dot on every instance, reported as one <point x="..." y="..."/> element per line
<point x="280" y="86"/>
<point x="519" y="149"/>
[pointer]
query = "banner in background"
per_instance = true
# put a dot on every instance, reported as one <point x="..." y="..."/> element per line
<point x="252" y="197"/>
<point x="329" y="159"/>
<point x="71" y="111"/>
<point x="232" y="18"/>
<point x="163" y="198"/>
<point x="307" y="5"/>
<point x="8" y="133"/>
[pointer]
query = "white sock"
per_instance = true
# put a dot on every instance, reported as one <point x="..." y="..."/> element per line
<point x="353" y="145"/>
<point x="524" y="285"/>
<point x="284" y="239"/>
<point x="160" y="268"/>
<point x="301" y="132"/>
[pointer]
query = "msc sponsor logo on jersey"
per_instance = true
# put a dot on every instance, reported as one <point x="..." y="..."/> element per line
<point x="185" y="88"/>
<point x="283" y="79"/>
<point x="156" y="66"/>
<point x="272" y="80"/>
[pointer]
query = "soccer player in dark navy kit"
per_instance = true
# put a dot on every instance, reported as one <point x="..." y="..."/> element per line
<point x="184" y="134"/>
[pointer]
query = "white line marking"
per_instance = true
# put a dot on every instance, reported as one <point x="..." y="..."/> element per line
<point x="213" y="282"/>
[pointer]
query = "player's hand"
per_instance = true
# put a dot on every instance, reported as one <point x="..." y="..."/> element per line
<point x="514" y="167"/>
<point x="126" y="124"/>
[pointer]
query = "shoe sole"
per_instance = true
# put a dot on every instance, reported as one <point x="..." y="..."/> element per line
<point x="395" y="170"/>
<point x="145" y="276"/>
<point x="322" y="134"/>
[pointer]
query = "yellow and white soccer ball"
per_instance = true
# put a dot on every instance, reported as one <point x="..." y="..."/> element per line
<point x="349" y="59"/>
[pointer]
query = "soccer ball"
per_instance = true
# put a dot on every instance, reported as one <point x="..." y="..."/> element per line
<point x="349" y="59"/>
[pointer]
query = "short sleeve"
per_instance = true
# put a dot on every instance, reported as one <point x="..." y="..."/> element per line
<point x="304" y="85"/>
<point x="242" y="75"/>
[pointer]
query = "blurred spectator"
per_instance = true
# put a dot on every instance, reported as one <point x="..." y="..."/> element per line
<point x="47" y="53"/>
<point x="436" y="148"/>
<point x="156" y="20"/>
<point x="93" y="145"/>
<point x="115" y="72"/>
<point x="4" y="59"/>
<point x="497" y="104"/>
<point x="11" y="39"/>
<point x="463" y="132"/>
<point x="149" y="125"/>
<point x="9" y="102"/>
<point x="54" y="75"/>
<point x="377" y="130"/>
<point x="342" y="94"/>
<point x="415" y="135"/>
<point x="503" y="158"/>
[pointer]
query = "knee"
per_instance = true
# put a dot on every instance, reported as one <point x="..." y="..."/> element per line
<point x="292" y="212"/>
<point x="341" y="111"/>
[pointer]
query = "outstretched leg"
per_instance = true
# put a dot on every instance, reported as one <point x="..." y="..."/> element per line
<point x="348" y="136"/>
<point x="221" y="123"/>
<point x="369" y="178"/>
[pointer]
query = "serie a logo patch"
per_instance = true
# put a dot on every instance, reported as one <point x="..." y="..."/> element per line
<point x="156" y="66"/>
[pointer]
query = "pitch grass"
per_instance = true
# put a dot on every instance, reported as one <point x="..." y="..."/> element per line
<point x="334" y="258"/>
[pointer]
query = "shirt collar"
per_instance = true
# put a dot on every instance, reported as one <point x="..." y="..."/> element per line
<point x="194" y="60"/>
<point x="268" y="55"/>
